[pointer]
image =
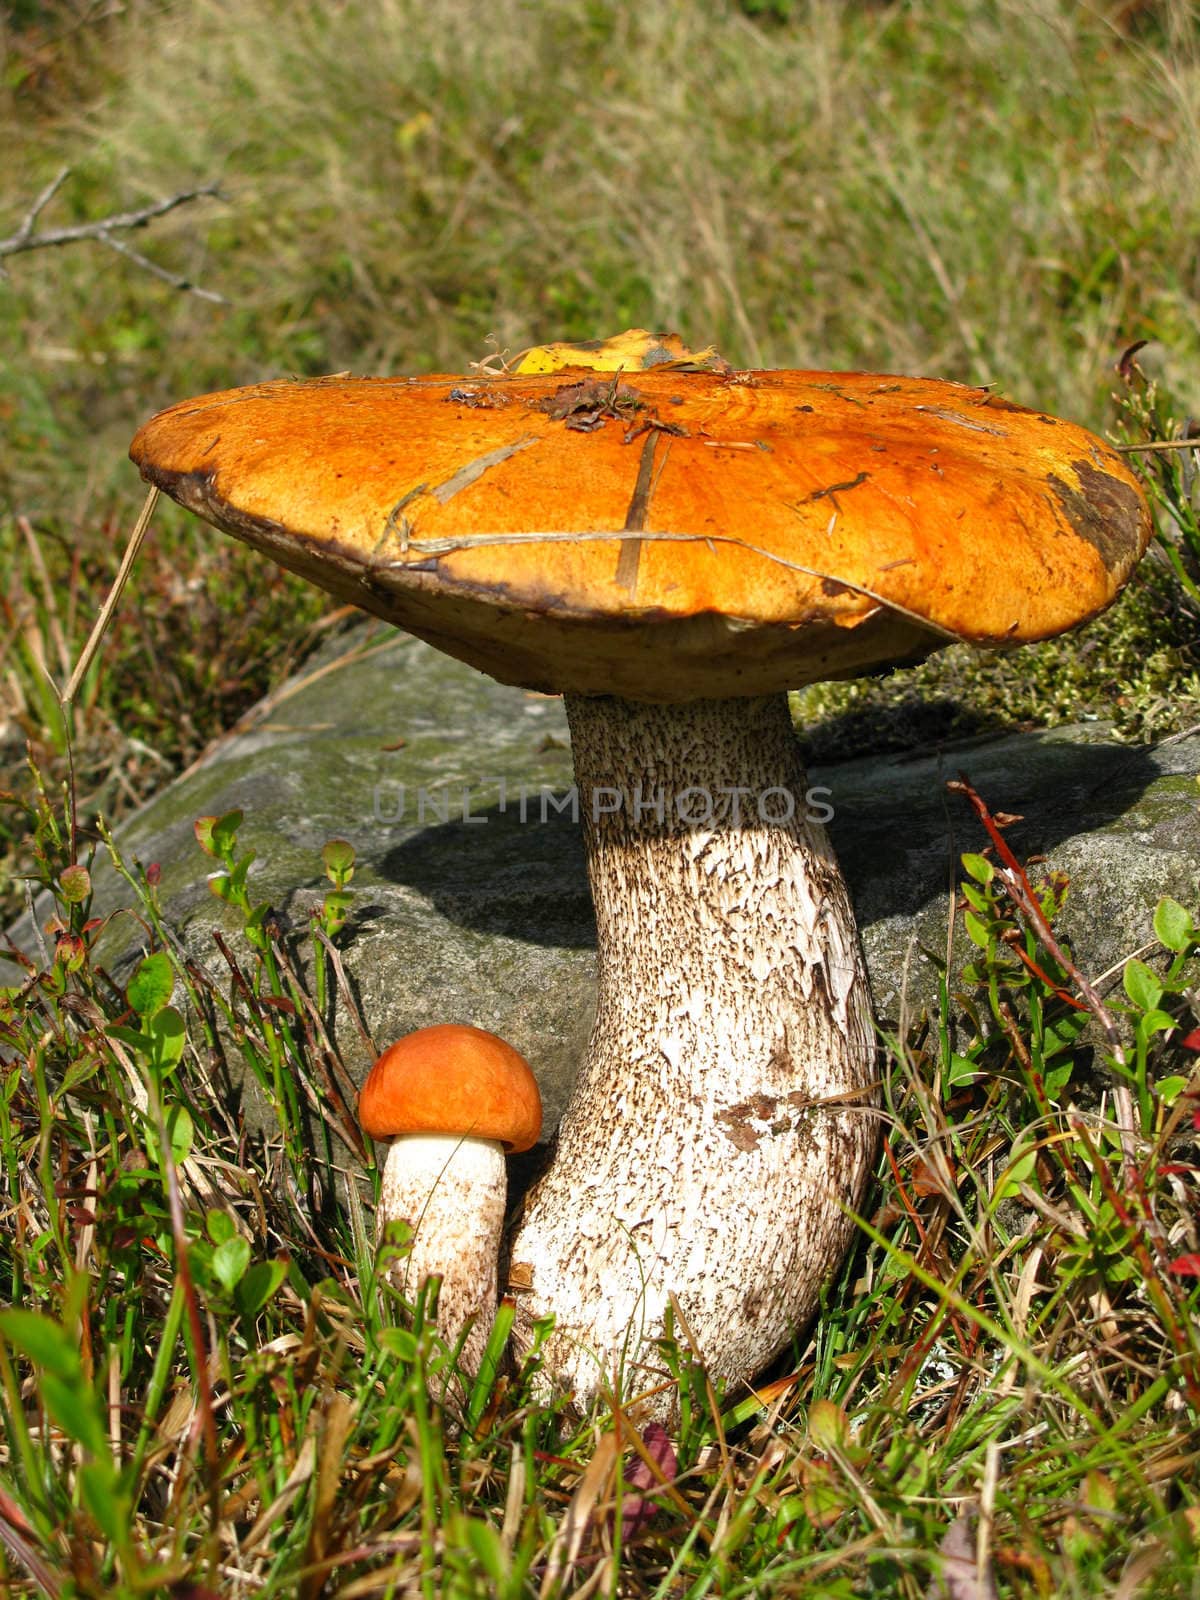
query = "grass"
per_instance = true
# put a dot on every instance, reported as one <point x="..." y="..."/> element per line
<point x="205" y="1388"/>
<point x="986" y="190"/>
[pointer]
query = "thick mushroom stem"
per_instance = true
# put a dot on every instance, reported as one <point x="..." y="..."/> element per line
<point x="451" y="1192"/>
<point x="721" y="1123"/>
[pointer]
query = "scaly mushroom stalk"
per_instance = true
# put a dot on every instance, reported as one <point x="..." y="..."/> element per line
<point x="451" y="1191"/>
<point x="721" y="1123"/>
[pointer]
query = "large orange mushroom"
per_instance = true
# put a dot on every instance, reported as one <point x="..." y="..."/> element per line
<point x="673" y="549"/>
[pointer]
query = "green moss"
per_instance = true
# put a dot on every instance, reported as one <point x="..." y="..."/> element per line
<point x="1137" y="668"/>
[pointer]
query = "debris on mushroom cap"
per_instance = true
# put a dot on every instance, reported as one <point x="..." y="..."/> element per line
<point x="635" y="350"/>
<point x="452" y="1079"/>
<point x="667" y="534"/>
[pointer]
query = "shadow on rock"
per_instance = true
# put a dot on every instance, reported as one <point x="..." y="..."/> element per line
<point x="500" y="874"/>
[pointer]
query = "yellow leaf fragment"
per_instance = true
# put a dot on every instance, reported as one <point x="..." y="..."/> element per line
<point x="635" y="350"/>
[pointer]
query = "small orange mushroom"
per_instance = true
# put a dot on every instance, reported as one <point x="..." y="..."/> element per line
<point x="449" y="1101"/>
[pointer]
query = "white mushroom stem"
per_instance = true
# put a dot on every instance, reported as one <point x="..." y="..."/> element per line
<point x="721" y="1123"/>
<point x="451" y="1192"/>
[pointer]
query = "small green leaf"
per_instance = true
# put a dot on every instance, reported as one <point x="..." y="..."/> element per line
<point x="1057" y="1078"/>
<point x="825" y="1498"/>
<point x="260" y="1284"/>
<point x="256" y="926"/>
<point x="217" y="836"/>
<point x="225" y="830"/>
<point x="241" y="871"/>
<point x="1120" y="1267"/>
<point x="1063" y="1032"/>
<point x="1141" y="985"/>
<point x="230" y="1260"/>
<point x="828" y="1425"/>
<point x="789" y="1510"/>
<point x="1156" y="1022"/>
<point x="1169" y="1089"/>
<point x="133" y="1037"/>
<point x="220" y="1226"/>
<point x="73" y="1405"/>
<point x="81" y="1070"/>
<point x="42" y="1340"/>
<point x="167" y="1032"/>
<point x="151" y="985"/>
<point x="398" y="1342"/>
<point x="179" y="1132"/>
<point x="977" y="930"/>
<point x="76" y="884"/>
<point x="1172" y="924"/>
<point x="484" y="1544"/>
<point x="962" y="1071"/>
<point x="338" y="859"/>
<point x="106" y="1500"/>
<point x="224" y="833"/>
<point x="1018" y="1171"/>
<point x="203" y="829"/>
<point x="333" y="910"/>
<point x="979" y="867"/>
<point x="907" y="1466"/>
<point x="1052" y="894"/>
<point x="975" y="898"/>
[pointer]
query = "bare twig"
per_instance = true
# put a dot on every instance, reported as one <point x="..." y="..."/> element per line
<point x="25" y="231"/>
<point x="1157" y="444"/>
<point x="103" y="231"/>
<point x="347" y="994"/>
<point x="175" y="279"/>
<point x="36" y="557"/>
<point x="472" y="541"/>
<point x="114" y="595"/>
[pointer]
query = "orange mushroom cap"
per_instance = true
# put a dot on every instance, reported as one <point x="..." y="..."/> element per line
<point x="452" y="1079"/>
<point x="666" y="534"/>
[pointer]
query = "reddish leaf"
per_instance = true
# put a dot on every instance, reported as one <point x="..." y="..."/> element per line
<point x="958" y="1575"/>
<point x="636" y="1509"/>
<point x="1191" y="1041"/>
<point x="1186" y="1266"/>
<point x="1127" y="365"/>
<point x="926" y="1179"/>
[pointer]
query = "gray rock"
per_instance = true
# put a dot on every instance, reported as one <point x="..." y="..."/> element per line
<point x="486" y="917"/>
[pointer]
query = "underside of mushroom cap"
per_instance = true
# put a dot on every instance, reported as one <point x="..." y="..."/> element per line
<point x="672" y="533"/>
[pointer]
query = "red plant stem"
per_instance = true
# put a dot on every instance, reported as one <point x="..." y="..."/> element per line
<point x="1159" y="1289"/>
<point x="1020" y="891"/>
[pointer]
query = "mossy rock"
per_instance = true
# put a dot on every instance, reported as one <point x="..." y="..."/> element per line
<point x="488" y="920"/>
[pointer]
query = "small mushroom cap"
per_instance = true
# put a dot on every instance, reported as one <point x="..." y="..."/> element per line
<point x="452" y="1079"/>
<point x="668" y="534"/>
